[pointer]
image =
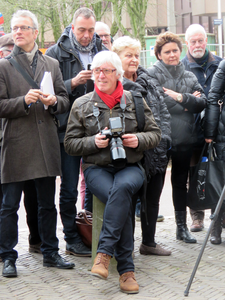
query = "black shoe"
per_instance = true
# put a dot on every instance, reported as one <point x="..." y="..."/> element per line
<point x="78" y="249"/>
<point x="182" y="231"/>
<point x="55" y="260"/>
<point x="9" y="269"/>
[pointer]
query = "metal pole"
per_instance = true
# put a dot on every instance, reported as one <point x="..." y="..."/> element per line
<point x="219" y="28"/>
<point x="213" y="217"/>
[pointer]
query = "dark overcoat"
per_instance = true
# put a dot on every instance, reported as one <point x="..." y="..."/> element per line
<point x="30" y="142"/>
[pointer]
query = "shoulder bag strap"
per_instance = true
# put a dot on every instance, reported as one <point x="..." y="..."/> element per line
<point x="23" y="73"/>
<point x="139" y="107"/>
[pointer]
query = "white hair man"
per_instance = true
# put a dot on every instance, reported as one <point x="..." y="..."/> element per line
<point x="113" y="162"/>
<point x="103" y="31"/>
<point x="203" y="64"/>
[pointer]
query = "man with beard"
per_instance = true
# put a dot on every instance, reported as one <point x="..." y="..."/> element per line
<point x="203" y="64"/>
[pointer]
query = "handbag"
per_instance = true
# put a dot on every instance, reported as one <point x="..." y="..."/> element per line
<point x="84" y="226"/>
<point x="206" y="181"/>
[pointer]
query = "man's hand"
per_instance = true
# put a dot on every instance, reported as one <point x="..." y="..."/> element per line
<point x="48" y="99"/>
<point x="101" y="141"/>
<point x="33" y="96"/>
<point x="81" y="78"/>
<point x="130" y="140"/>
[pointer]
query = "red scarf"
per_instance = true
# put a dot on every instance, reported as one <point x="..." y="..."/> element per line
<point x="114" y="98"/>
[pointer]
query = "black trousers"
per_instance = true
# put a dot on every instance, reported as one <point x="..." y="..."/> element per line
<point x="154" y="190"/>
<point x="47" y="217"/>
<point x="31" y="206"/>
<point x="179" y="176"/>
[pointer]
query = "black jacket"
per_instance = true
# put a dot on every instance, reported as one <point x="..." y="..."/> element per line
<point x="182" y="114"/>
<point x="70" y="66"/>
<point x="214" y="126"/>
<point x="156" y="159"/>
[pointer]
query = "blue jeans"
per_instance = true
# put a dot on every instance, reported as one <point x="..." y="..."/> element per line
<point x="116" y="188"/>
<point x="47" y="217"/>
<point x="68" y="195"/>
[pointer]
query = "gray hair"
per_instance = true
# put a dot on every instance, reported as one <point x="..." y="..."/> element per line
<point x="101" y="25"/>
<point x="85" y="12"/>
<point x="193" y="29"/>
<point x="124" y="42"/>
<point x="26" y="14"/>
<point x="103" y="57"/>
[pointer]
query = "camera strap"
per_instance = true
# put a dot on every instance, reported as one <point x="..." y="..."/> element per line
<point x="96" y="111"/>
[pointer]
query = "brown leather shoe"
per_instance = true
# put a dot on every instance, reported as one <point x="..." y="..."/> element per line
<point x="128" y="283"/>
<point x="101" y="265"/>
<point x="158" y="250"/>
<point x="197" y="225"/>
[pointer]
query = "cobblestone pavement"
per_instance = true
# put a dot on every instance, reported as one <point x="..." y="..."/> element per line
<point x="159" y="277"/>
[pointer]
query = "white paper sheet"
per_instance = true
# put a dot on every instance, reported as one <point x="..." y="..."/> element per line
<point x="47" y="85"/>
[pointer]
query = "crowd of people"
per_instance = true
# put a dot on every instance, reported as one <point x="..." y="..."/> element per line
<point x="113" y="123"/>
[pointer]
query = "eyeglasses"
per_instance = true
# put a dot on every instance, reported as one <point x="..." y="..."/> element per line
<point x="104" y="71"/>
<point x="22" y="28"/>
<point x="199" y="41"/>
<point x="104" y="35"/>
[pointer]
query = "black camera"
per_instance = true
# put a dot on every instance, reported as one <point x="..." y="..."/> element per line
<point x="114" y="133"/>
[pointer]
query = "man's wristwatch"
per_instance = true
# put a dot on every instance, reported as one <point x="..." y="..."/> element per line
<point x="179" y="98"/>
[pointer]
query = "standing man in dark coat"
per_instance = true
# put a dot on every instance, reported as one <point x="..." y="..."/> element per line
<point x="74" y="50"/>
<point x="30" y="148"/>
<point x="203" y="63"/>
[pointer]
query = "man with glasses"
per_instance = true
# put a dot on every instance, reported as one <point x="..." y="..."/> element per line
<point x="110" y="160"/>
<point x="103" y="32"/>
<point x="30" y="147"/>
<point x="74" y="50"/>
<point x="203" y="63"/>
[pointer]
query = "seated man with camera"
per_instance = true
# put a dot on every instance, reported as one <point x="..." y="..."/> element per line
<point x="102" y="127"/>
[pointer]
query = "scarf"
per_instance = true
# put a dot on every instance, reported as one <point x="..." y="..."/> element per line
<point x="30" y="55"/>
<point x="76" y="45"/>
<point x="114" y="98"/>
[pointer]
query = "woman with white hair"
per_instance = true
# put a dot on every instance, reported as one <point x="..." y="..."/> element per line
<point x="137" y="78"/>
<point x="111" y="160"/>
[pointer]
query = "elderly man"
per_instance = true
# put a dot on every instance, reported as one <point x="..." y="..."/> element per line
<point x="103" y="31"/>
<point x="203" y="64"/>
<point x="74" y="50"/>
<point x="111" y="160"/>
<point x="30" y="148"/>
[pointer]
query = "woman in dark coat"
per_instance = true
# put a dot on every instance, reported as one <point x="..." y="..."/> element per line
<point x="136" y="78"/>
<point x="184" y="97"/>
<point x="214" y="130"/>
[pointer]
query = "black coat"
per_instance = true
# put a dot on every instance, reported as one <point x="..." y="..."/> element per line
<point x="157" y="158"/>
<point x="214" y="126"/>
<point x="70" y="66"/>
<point x="182" y="114"/>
